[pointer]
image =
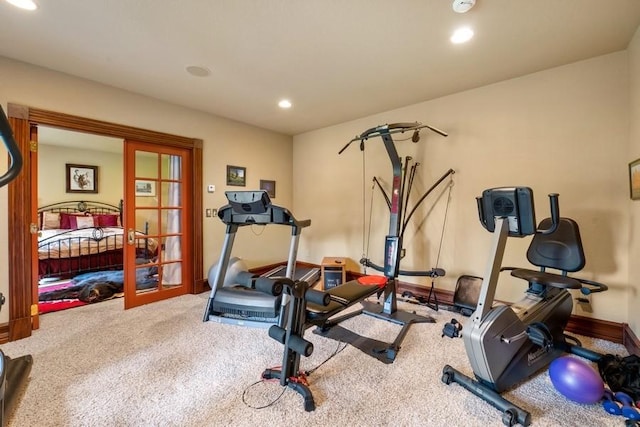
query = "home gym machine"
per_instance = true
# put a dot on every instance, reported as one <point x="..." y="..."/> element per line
<point x="13" y="371"/>
<point x="507" y="344"/>
<point x="393" y="241"/>
<point x="238" y="297"/>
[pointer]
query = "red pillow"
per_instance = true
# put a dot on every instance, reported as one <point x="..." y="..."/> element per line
<point x="66" y="220"/>
<point x="105" y="220"/>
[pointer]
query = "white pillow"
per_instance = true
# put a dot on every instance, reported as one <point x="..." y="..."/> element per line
<point x="84" y="221"/>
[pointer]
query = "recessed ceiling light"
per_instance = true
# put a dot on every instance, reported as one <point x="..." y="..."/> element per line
<point x="462" y="35"/>
<point x="463" y="6"/>
<point x="24" y="4"/>
<point x="285" y="103"/>
<point x="198" y="71"/>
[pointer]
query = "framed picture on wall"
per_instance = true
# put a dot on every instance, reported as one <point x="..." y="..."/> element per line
<point x="145" y="188"/>
<point x="81" y="178"/>
<point x="269" y="187"/>
<point x="634" y="180"/>
<point x="236" y="175"/>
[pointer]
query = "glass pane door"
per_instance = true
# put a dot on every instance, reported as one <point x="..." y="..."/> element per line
<point x="156" y="206"/>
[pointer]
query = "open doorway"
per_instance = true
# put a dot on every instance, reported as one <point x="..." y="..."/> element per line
<point x="22" y="202"/>
<point x="80" y="234"/>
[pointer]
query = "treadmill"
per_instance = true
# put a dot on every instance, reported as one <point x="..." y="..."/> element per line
<point x="240" y="303"/>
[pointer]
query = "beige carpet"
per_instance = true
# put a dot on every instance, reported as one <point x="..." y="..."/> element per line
<point x="160" y="365"/>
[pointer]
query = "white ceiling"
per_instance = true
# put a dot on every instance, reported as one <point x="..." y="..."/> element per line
<point x="336" y="60"/>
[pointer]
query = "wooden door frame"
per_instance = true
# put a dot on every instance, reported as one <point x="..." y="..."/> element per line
<point x="21" y="118"/>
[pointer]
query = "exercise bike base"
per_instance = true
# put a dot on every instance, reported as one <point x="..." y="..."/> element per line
<point x="512" y="414"/>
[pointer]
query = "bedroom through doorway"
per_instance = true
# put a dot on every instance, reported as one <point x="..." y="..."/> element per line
<point x="80" y="234"/>
<point x="23" y="203"/>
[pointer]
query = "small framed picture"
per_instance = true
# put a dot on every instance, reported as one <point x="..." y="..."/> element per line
<point x="236" y="175"/>
<point x="81" y="178"/>
<point x="145" y="188"/>
<point x="269" y="187"/>
<point x="634" y="180"/>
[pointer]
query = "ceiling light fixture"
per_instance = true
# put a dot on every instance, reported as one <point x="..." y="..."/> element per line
<point x="285" y="103"/>
<point x="198" y="71"/>
<point x="24" y="4"/>
<point x="462" y="6"/>
<point x="462" y="35"/>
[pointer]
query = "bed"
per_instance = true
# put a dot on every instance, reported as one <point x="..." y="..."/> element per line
<point x="80" y="236"/>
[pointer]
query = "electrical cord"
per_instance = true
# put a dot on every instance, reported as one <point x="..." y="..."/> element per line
<point x="301" y="378"/>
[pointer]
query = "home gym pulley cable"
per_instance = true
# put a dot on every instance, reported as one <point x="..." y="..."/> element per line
<point x="406" y="217"/>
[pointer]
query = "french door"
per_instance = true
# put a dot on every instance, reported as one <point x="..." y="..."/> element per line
<point x="157" y="209"/>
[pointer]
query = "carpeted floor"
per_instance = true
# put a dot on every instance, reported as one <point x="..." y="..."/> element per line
<point x="160" y="365"/>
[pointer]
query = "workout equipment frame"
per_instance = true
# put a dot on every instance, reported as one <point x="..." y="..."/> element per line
<point x="13" y="371"/>
<point x="393" y="241"/>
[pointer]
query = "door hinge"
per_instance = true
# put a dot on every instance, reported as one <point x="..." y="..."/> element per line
<point x="33" y="146"/>
<point x="34" y="309"/>
<point x="33" y="228"/>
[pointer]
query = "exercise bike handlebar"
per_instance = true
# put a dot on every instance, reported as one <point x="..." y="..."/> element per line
<point x="555" y="214"/>
<point x="15" y="164"/>
<point x="592" y="287"/>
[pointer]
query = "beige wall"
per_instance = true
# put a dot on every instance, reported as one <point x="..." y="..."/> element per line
<point x="563" y="130"/>
<point x="265" y="154"/>
<point x="52" y="180"/>
<point x="634" y="208"/>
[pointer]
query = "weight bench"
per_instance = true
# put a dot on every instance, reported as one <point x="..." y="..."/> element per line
<point x="341" y="297"/>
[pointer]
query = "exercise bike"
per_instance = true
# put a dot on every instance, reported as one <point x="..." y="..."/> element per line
<point x="507" y="344"/>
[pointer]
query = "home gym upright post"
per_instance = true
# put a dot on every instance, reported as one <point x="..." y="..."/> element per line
<point x="393" y="241"/>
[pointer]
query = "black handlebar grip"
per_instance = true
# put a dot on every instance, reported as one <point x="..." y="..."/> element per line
<point x="555" y="209"/>
<point x="245" y="278"/>
<point x="318" y="297"/>
<point x="597" y="287"/>
<point x="277" y="333"/>
<point x="300" y="345"/>
<point x="269" y="286"/>
<point x="555" y="214"/>
<point x="6" y="134"/>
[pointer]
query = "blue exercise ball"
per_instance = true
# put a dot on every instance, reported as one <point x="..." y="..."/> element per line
<point x="576" y="380"/>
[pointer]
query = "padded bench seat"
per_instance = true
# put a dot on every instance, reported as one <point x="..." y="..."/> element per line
<point x="341" y="296"/>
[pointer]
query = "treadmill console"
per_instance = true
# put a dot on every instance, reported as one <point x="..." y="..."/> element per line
<point x="254" y="207"/>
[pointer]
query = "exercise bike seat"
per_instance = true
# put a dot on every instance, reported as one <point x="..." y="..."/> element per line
<point x="342" y="296"/>
<point x="546" y="279"/>
<point x="561" y="250"/>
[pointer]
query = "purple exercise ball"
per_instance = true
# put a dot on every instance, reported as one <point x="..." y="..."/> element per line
<point x="576" y="380"/>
